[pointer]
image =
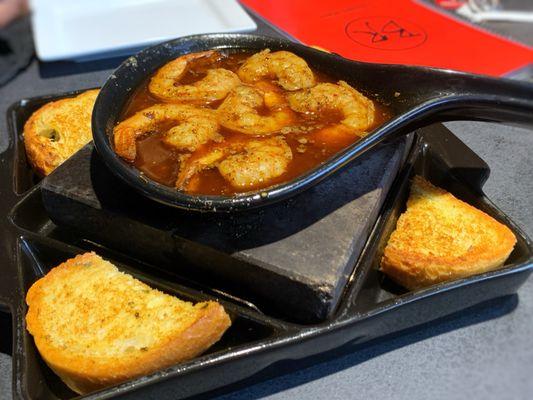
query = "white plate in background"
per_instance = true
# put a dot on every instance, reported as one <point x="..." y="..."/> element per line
<point x="91" y="29"/>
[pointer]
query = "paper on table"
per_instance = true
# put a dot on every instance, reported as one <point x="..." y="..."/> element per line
<point x="89" y="29"/>
<point x="398" y="32"/>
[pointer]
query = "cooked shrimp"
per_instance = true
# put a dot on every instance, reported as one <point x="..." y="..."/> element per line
<point x="189" y="128"/>
<point x="240" y="111"/>
<point x="257" y="162"/>
<point x="244" y="164"/>
<point x="196" y="163"/>
<point x="291" y="71"/>
<point x="357" y="110"/>
<point x="214" y="86"/>
<point x="193" y="132"/>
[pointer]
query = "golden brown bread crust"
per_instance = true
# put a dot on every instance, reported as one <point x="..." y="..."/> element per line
<point x="57" y="130"/>
<point x="202" y="325"/>
<point x="441" y="238"/>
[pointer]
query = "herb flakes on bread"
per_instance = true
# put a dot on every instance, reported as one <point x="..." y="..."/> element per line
<point x="96" y="326"/>
<point x="440" y="238"/>
<point x="57" y="130"/>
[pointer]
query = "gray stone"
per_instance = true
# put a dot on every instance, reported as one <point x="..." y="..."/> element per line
<point x="293" y="258"/>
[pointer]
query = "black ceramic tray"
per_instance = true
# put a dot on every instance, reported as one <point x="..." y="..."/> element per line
<point x="370" y="307"/>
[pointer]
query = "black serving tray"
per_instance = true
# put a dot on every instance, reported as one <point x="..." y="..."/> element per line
<point x="370" y="307"/>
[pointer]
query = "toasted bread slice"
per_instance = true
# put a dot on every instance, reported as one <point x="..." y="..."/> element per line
<point x="96" y="326"/>
<point x="442" y="238"/>
<point x="57" y="130"/>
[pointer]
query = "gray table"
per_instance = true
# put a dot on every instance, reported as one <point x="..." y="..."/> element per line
<point x="485" y="352"/>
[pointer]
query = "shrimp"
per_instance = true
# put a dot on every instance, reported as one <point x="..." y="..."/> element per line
<point x="257" y="162"/>
<point x="214" y="86"/>
<point x="245" y="164"/>
<point x="241" y="111"/>
<point x="357" y="110"/>
<point x="291" y="71"/>
<point x="190" y="127"/>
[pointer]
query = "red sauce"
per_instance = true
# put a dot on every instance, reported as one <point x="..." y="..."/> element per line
<point x="310" y="147"/>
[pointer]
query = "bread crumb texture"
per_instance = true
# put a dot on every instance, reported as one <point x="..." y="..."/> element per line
<point x="441" y="238"/>
<point x="57" y="130"/>
<point x="96" y="326"/>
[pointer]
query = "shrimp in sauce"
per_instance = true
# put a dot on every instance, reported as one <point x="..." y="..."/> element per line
<point x="241" y="112"/>
<point x="270" y="120"/>
<point x="357" y="111"/>
<point x="166" y="83"/>
<point x="245" y="164"/>
<point x="290" y="71"/>
<point x="188" y="127"/>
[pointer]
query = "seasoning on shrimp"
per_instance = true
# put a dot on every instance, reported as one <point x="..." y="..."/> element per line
<point x="218" y="82"/>
<point x="221" y="123"/>
<point x="357" y="110"/>
<point x="244" y="164"/>
<point x="240" y="112"/>
<point x="289" y="70"/>
<point x="188" y="127"/>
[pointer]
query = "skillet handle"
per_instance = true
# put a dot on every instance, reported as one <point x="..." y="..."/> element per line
<point x="449" y="95"/>
<point x="485" y="99"/>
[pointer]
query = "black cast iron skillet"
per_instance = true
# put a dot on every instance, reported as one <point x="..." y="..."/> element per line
<point x="417" y="96"/>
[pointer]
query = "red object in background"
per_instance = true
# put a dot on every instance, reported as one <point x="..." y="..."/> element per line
<point x="397" y="32"/>
<point x="450" y="4"/>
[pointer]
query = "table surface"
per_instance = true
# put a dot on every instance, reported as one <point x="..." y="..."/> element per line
<point x="485" y="352"/>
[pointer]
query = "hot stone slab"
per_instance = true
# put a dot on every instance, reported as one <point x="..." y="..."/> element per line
<point x="292" y="259"/>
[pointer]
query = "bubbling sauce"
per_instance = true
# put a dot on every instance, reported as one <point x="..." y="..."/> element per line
<point x="309" y="143"/>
